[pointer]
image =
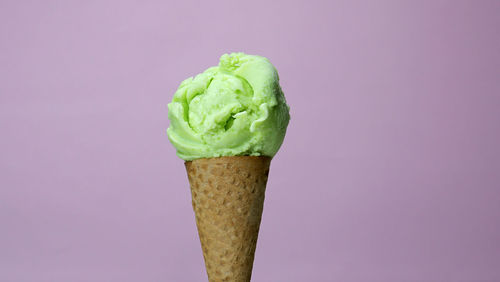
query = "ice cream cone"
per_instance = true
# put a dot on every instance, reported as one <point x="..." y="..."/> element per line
<point x="228" y="197"/>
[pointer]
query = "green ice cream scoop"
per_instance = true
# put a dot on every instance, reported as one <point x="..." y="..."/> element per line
<point x="235" y="108"/>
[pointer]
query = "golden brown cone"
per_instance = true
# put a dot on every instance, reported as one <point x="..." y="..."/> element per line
<point x="228" y="197"/>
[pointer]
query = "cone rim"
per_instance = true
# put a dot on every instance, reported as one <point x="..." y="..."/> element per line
<point x="231" y="157"/>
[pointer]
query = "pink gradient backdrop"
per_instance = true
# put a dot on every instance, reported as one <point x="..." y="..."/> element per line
<point x="390" y="170"/>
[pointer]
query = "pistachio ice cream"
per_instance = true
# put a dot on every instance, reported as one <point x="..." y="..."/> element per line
<point x="235" y="108"/>
<point x="227" y="123"/>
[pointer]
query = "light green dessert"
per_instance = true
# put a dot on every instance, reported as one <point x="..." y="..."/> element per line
<point x="235" y="108"/>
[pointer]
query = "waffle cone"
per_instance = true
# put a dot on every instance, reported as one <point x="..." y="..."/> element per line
<point x="228" y="197"/>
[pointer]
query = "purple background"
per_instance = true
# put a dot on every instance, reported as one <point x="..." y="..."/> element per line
<point x="389" y="171"/>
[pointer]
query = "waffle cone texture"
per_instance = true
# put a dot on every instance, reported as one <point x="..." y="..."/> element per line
<point x="228" y="197"/>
